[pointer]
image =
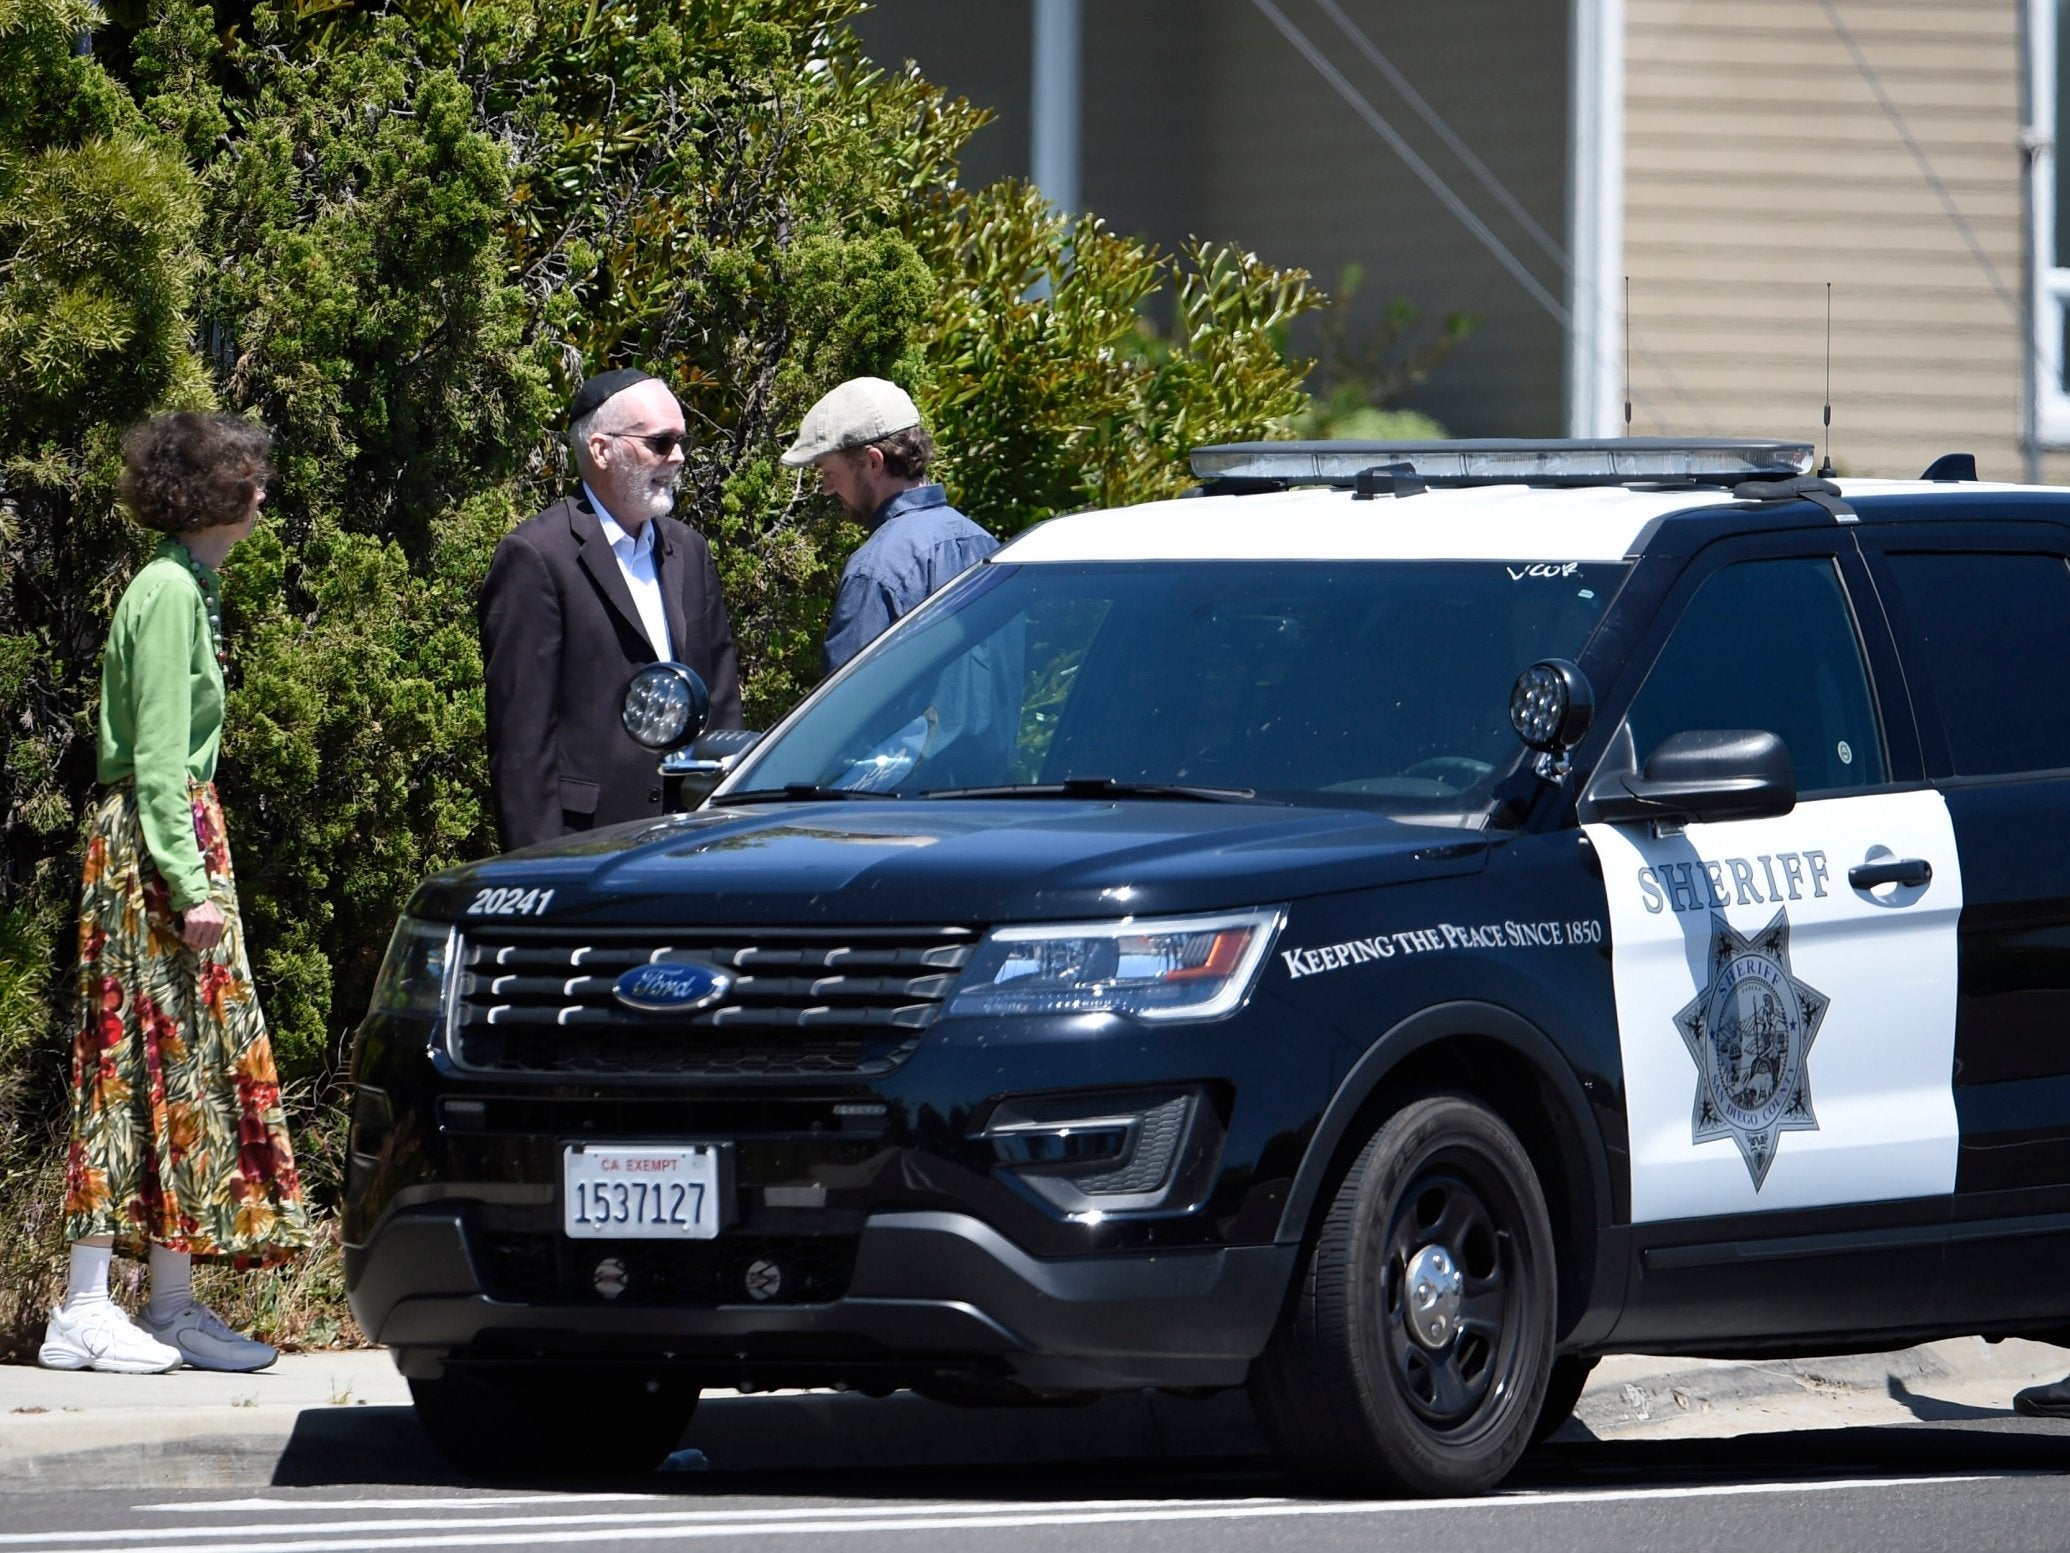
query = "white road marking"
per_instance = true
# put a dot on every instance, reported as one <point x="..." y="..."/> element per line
<point x="494" y="1531"/>
<point x="488" y="1499"/>
<point x="179" y="1535"/>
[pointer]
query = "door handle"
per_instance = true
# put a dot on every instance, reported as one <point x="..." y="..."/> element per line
<point x="1890" y="870"/>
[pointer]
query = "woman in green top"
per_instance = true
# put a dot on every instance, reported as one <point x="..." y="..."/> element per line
<point x="179" y="1148"/>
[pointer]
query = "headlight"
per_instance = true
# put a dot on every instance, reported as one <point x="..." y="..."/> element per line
<point x="413" y="974"/>
<point x="665" y="704"/>
<point x="1166" y="968"/>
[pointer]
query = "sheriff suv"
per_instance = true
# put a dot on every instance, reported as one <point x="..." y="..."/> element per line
<point x="1383" y="932"/>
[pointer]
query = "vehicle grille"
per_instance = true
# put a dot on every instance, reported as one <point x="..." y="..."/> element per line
<point x="809" y="1269"/>
<point x="804" y="1003"/>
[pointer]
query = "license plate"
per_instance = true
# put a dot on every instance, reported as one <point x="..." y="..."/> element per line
<point x="661" y="1193"/>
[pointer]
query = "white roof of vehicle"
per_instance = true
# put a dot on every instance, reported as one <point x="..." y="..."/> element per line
<point x="1321" y="523"/>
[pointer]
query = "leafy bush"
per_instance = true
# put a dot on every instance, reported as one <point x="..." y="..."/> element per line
<point x="398" y="233"/>
<point x="1361" y="373"/>
<point x="1050" y="389"/>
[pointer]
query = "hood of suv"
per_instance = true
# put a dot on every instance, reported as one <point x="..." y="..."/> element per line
<point x="966" y="861"/>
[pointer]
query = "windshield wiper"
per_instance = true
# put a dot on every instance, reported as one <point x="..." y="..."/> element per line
<point x="1098" y="787"/>
<point x="793" y="790"/>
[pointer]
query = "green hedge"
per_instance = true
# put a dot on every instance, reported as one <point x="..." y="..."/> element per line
<point x="398" y="234"/>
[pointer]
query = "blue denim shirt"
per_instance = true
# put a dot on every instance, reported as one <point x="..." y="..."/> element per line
<point x="917" y="543"/>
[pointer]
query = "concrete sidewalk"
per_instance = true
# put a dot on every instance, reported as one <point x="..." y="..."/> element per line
<point x="339" y="1418"/>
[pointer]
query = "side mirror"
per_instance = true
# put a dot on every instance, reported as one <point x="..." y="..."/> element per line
<point x="1551" y="706"/>
<point x="702" y="766"/>
<point x="1705" y="774"/>
<point x="665" y="705"/>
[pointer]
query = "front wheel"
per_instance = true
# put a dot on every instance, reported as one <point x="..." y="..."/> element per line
<point x="1563" y="1390"/>
<point x="551" y="1422"/>
<point x="1414" y="1354"/>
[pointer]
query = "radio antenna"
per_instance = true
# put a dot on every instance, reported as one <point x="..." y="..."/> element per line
<point x="1627" y="355"/>
<point x="1825" y="468"/>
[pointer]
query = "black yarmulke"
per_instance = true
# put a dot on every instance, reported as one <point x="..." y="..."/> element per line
<point x="601" y="387"/>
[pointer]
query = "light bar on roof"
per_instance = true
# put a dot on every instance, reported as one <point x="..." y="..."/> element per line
<point x="1610" y="461"/>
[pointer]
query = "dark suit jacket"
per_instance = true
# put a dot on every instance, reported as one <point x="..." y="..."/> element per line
<point x="560" y="638"/>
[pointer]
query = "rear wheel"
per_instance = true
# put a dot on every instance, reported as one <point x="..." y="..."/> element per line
<point x="548" y="1421"/>
<point x="1414" y="1355"/>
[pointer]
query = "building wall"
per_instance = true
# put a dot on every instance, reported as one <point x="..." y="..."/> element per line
<point x="976" y="49"/>
<point x="1760" y="165"/>
<point x="1200" y="119"/>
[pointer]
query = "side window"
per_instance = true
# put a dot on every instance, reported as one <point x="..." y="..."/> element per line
<point x="1770" y="644"/>
<point x="1991" y="634"/>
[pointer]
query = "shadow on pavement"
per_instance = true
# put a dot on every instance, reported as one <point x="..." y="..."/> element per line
<point x="892" y="1447"/>
<point x="1979" y="1443"/>
<point x="852" y="1447"/>
<point x="332" y="1446"/>
<point x="1933" y="1409"/>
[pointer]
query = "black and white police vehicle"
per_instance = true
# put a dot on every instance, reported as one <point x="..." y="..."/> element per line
<point x="1384" y="933"/>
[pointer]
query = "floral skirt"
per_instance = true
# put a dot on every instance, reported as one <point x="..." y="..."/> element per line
<point x="178" y="1138"/>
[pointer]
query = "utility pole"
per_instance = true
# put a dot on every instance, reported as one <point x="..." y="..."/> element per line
<point x="1053" y="148"/>
<point x="1595" y="157"/>
<point x="2037" y="201"/>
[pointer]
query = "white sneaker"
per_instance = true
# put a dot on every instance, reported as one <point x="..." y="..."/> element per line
<point x="100" y="1337"/>
<point x="204" y="1341"/>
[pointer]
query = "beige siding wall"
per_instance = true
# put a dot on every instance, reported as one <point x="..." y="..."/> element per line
<point x="1760" y="165"/>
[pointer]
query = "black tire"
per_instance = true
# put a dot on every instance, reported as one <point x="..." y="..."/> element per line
<point x="1563" y="1389"/>
<point x="552" y="1422"/>
<point x="1352" y="1398"/>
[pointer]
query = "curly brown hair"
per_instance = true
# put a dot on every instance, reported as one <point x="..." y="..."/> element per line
<point x="192" y="470"/>
<point x="906" y="453"/>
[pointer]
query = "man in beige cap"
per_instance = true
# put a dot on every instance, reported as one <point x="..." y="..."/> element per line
<point x="866" y="438"/>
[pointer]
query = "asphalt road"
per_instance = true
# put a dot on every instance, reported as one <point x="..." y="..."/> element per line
<point x="1992" y="1483"/>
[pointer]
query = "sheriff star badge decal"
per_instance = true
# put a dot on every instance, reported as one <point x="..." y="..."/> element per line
<point x="1749" y="1032"/>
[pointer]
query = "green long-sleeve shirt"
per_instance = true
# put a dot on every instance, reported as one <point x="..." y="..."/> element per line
<point x="162" y="708"/>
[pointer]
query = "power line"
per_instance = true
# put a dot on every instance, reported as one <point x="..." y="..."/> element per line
<point x="1933" y="179"/>
<point x="1444" y="192"/>
<point x="1415" y="163"/>
<point x="2032" y="351"/>
<point x="1509" y="202"/>
<point x="1445" y="132"/>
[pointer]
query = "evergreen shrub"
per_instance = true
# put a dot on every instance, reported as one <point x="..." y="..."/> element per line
<point x="399" y="233"/>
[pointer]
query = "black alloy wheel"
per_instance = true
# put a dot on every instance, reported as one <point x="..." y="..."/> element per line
<point x="1414" y="1355"/>
<point x="552" y="1421"/>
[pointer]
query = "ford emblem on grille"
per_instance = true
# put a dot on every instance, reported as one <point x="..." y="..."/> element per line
<point x="671" y="989"/>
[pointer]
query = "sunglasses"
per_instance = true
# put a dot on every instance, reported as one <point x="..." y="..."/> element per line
<point x="659" y="443"/>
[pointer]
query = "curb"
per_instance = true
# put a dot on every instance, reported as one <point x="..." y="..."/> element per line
<point x="344" y="1418"/>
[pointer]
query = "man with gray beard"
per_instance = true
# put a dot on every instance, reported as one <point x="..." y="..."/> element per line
<point x="578" y="598"/>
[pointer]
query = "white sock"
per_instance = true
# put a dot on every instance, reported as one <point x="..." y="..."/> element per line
<point x="88" y="1282"/>
<point x="172" y="1283"/>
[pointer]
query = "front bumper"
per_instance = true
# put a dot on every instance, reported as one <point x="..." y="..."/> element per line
<point x="932" y="1295"/>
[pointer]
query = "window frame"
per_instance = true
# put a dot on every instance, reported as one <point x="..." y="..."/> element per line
<point x="2048" y="395"/>
<point x="1903" y="766"/>
<point x="1970" y="538"/>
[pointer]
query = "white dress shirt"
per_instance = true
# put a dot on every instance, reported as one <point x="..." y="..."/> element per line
<point x="636" y="561"/>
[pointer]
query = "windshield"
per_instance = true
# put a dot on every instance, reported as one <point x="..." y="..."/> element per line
<point x="1383" y="684"/>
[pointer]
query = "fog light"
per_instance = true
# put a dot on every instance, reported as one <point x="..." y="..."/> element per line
<point x="1158" y="1132"/>
<point x="1065" y="1143"/>
<point x="1111" y="1151"/>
